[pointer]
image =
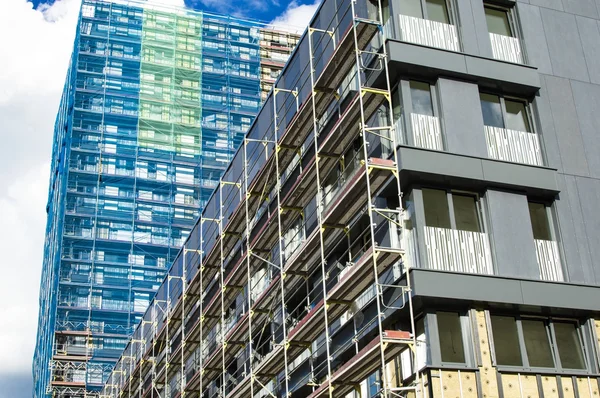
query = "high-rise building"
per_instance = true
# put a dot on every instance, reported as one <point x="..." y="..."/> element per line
<point x="155" y="103"/>
<point x="412" y="214"/>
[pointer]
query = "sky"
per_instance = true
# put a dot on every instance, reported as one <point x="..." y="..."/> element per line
<point x="36" y="40"/>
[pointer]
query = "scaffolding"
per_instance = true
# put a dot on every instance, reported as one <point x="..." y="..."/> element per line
<point x="155" y="104"/>
<point x="290" y="283"/>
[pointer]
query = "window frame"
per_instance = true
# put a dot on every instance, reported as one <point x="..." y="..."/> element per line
<point x="510" y="16"/>
<point x="433" y="338"/>
<point x="450" y="8"/>
<point x="528" y="105"/>
<point x="582" y="333"/>
<point x="479" y="205"/>
<point x="402" y="94"/>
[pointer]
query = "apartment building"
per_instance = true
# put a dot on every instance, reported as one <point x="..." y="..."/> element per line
<point x="155" y="104"/>
<point x="412" y="214"/>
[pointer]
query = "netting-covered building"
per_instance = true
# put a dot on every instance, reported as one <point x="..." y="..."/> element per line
<point x="155" y="103"/>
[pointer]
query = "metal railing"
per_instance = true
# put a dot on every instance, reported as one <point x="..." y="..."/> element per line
<point x="513" y="146"/>
<point x="427" y="132"/>
<point x="548" y="260"/>
<point x="506" y="48"/>
<point x="458" y="251"/>
<point x="429" y="33"/>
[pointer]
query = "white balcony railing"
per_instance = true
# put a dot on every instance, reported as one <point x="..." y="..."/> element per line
<point x="458" y="251"/>
<point x="506" y="48"/>
<point x="429" y="33"/>
<point x="548" y="259"/>
<point x="513" y="146"/>
<point x="426" y="131"/>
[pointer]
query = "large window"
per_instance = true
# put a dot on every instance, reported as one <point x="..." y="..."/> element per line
<point x="454" y="210"/>
<point x="435" y="10"/>
<point x="421" y="99"/>
<point x="451" y="337"/>
<point x="538" y="213"/>
<point x="498" y="21"/>
<point x="538" y="343"/>
<point x="505" y="113"/>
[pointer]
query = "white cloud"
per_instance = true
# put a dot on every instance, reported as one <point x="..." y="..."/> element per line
<point x="296" y="17"/>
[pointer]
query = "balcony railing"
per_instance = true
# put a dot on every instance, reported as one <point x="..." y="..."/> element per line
<point x="513" y="146"/>
<point x="429" y="33"/>
<point x="458" y="251"/>
<point x="506" y="48"/>
<point x="548" y="259"/>
<point x="427" y="132"/>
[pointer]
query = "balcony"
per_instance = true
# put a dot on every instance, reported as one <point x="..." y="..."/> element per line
<point x="458" y="251"/>
<point x="513" y="146"/>
<point x="506" y="48"/>
<point x="548" y="259"/>
<point x="429" y="33"/>
<point x="427" y="132"/>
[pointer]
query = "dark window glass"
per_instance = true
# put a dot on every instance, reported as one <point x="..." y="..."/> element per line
<point x="437" y="10"/>
<point x="465" y="213"/>
<point x="412" y="8"/>
<point x="437" y="213"/>
<point x="569" y="346"/>
<point x="491" y="110"/>
<point x="497" y="21"/>
<point x="516" y="116"/>
<point x="539" y="221"/>
<point x="451" y="339"/>
<point x="420" y="94"/>
<point x="537" y="344"/>
<point x="506" y="341"/>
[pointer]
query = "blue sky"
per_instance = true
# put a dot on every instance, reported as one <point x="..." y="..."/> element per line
<point x="263" y="10"/>
<point x="37" y="40"/>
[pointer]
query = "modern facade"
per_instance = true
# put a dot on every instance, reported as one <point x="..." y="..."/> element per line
<point x="155" y="103"/>
<point x="412" y="214"/>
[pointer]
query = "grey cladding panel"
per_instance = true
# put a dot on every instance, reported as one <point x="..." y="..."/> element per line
<point x="590" y="39"/>
<point x="546" y="129"/>
<point x="462" y="121"/>
<point x="572" y="151"/>
<point x="587" y="104"/>
<point x="481" y="29"/>
<point x="587" y="8"/>
<point x="467" y="27"/>
<point x="535" y="40"/>
<point x="566" y="53"/>
<point x="511" y="235"/>
<point x="554" y="4"/>
<point x="589" y="195"/>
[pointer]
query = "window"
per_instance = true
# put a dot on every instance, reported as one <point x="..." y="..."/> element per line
<point x="505" y="113"/>
<point x="498" y="21"/>
<point x="434" y="10"/>
<point x="465" y="214"/>
<point x="420" y="95"/>
<point x="538" y="213"/>
<point x="451" y="338"/>
<point x="538" y="343"/>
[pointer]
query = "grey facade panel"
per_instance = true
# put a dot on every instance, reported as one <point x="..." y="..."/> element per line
<point x="501" y="290"/>
<point x="587" y="104"/>
<point x="412" y="59"/>
<point x="589" y="32"/>
<point x="566" y="123"/>
<point x="462" y="118"/>
<point x="477" y="171"/>
<point x="564" y="44"/>
<point x="511" y="235"/>
<point x="575" y="245"/>
<point x="553" y="4"/>
<point x="587" y="8"/>
<point x="546" y="130"/>
<point x="468" y="36"/>
<point x="534" y="38"/>
<point x="481" y="29"/>
<point x="589" y="196"/>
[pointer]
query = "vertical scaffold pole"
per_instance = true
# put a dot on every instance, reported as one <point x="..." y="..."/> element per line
<point x="248" y="269"/>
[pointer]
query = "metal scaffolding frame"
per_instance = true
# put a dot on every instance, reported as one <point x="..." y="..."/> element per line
<point x="277" y="266"/>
